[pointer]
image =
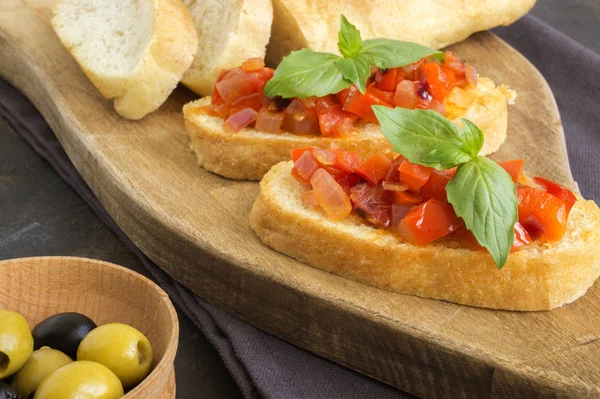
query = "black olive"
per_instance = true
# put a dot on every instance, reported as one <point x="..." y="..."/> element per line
<point x="63" y="332"/>
<point x="8" y="392"/>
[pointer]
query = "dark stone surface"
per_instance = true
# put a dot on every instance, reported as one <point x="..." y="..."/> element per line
<point x="41" y="215"/>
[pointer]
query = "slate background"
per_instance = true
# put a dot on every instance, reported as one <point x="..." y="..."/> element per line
<point x="41" y="215"/>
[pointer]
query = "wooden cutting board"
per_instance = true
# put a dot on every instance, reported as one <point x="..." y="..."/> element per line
<point x="195" y="226"/>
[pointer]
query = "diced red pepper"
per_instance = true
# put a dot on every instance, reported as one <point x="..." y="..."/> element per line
<point x="543" y="215"/>
<point x="522" y="237"/>
<point x="428" y="222"/>
<point x="514" y="168"/>
<point x="360" y="104"/>
<point x="333" y="120"/>
<point x="558" y="191"/>
<point x="386" y="80"/>
<point x="414" y="176"/>
<point x="346" y="161"/>
<point x="375" y="168"/>
<point x="440" y="80"/>
<point x="297" y="152"/>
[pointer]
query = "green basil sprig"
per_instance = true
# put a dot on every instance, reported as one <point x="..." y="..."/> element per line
<point x="481" y="192"/>
<point x="307" y="73"/>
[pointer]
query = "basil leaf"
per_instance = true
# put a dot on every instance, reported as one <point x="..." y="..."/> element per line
<point x="471" y="137"/>
<point x="307" y="73"/>
<point x="349" y="40"/>
<point x="484" y="195"/>
<point x="357" y="70"/>
<point x="388" y="53"/>
<point x="416" y="133"/>
<point x="446" y="155"/>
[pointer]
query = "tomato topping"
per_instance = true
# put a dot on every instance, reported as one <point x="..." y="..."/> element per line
<point x="375" y="168"/>
<point x="414" y="176"/>
<point x="323" y="156"/>
<point x="333" y="120"/>
<point x="522" y="237"/>
<point x="298" y="152"/>
<point x="407" y="198"/>
<point x="440" y="80"/>
<point x="330" y="195"/>
<point x="360" y="104"/>
<point x="428" y="222"/>
<point x="558" y="191"/>
<point x="373" y="203"/>
<point x="406" y="95"/>
<point x="248" y="101"/>
<point x="269" y="121"/>
<point x="436" y="185"/>
<point x="543" y="215"/>
<point x="514" y="168"/>
<point x="240" y="119"/>
<point x="386" y="80"/>
<point x="346" y="161"/>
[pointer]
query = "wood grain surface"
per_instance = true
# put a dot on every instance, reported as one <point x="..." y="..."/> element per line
<point x="40" y="287"/>
<point x="194" y="225"/>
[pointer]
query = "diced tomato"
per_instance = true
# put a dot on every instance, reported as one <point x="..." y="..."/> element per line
<point x="346" y="180"/>
<point x="406" y="95"/>
<point x="333" y="120"/>
<point x="386" y="80"/>
<point x="343" y="95"/>
<point x="522" y="237"/>
<point x="514" y="168"/>
<point x="428" y="222"/>
<point x="374" y="168"/>
<point x="330" y="195"/>
<point x="360" y="104"/>
<point x="543" y="215"/>
<point x="297" y="152"/>
<point x="398" y="213"/>
<point x="436" y="185"/>
<point x="407" y="198"/>
<point x="414" y="176"/>
<point x="392" y="178"/>
<point x="346" y="161"/>
<point x="558" y="191"/>
<point x="253" y="64"/>
<point x="373" y="203"/>
<point x="306" y="165"/>
<point x="440" y="80"/>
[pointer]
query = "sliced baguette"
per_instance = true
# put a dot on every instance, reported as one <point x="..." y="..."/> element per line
<point x="314" y="24"/>
<point x="134" y="52"/>
<point x="538" y="277"/>
<point x="249" y="154"/>
<point x="230" y="32"/>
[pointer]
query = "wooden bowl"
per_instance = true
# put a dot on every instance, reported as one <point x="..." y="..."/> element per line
<point x="43" y="286"/>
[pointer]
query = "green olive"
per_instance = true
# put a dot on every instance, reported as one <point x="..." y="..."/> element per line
<point x="41" y="364"/>
<point x="121" y="348"/>
<point x="77" y="380"/>
<point x="16" y="342"/>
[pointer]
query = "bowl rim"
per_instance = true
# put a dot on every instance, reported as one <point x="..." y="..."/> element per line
<point x="166" y="363"/>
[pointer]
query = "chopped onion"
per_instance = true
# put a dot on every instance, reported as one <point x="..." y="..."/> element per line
<point x="471" y="74"/>
<point x="324" y="157"/>
<point x="437" y="106"/>
<point x="301" y="124"/>
<point x="240" y="119"/>
<point x="237" y="86"/>
<point x="296" y="107"/>
<point x="406" y="95"/>
<point x="398" y="213"/>
<point x="221" y="110"/>
<point x="394" y="186"/>
<point x="253" y="64"/>
<point x="232" y="72"/>
<point x="269" y="122"/>
<point x="330" y="195"/>
<point x="306" y="165"/>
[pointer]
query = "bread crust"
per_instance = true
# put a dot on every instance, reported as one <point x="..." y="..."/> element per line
<point x="169" y="54"/>
<point x="433" y="23"/>
<point x="249" y="154"/>
<point x="538" y="277"/>
<point x="248" y="40"/>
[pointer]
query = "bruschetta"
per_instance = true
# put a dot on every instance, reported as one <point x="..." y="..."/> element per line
<point x="240" y="133"/>
<point x="387" y="223"/>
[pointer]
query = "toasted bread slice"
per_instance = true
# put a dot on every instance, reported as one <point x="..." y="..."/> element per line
<point x="538" y="277"/>
<point x="134" y="52"/>
<point x="314" y="24"/>
<point x="230" y="32"/>
<point x="249" y="154"/>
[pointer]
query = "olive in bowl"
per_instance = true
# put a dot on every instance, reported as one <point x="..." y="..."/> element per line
<point x="83" y="379"/>
<point x="121" y="348"/>
<point x="16" y="342"/>
<point x="41" y="364"/>
<point x="63" y="332"/>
